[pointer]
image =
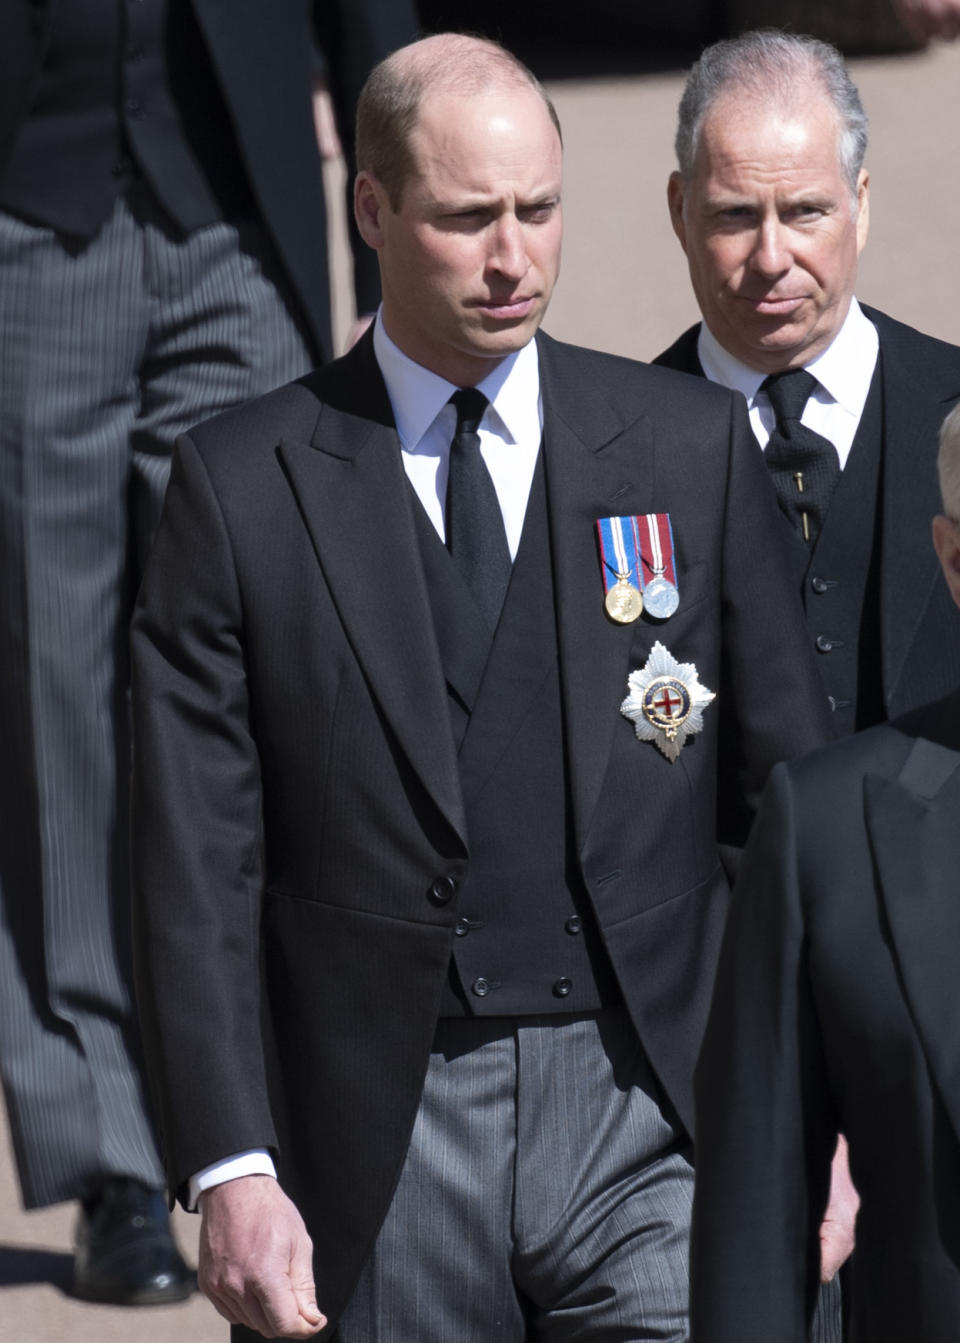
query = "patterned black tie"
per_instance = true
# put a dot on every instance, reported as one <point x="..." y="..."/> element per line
<point x="804" y="465"/>
<point x="474" y="524"/>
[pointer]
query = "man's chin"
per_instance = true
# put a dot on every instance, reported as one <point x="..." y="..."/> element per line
<point x="497" y="339"/>
<point x="770" y="345"/>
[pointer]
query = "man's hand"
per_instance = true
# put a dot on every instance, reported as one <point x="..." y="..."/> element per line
<point x="256" y="1261"/>
<point x="837" y="1231"/>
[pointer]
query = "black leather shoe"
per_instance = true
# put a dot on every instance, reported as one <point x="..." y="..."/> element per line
<point x="125" y="1251"/>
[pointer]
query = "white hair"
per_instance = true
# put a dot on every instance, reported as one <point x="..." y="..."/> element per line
<point x="948" y="464"/>
<point x="768" y="64"/>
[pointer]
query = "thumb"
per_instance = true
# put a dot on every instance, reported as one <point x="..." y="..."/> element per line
<point x="301" y="1282"/>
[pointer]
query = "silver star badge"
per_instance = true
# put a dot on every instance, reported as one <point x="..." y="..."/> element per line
<point x="666" y="701"/>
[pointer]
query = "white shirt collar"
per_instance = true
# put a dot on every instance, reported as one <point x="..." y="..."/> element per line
<point x="417" y="396"/>
<point x="844" y="369"/>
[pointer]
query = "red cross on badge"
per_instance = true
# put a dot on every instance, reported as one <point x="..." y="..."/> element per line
<point x="668" y="701"/>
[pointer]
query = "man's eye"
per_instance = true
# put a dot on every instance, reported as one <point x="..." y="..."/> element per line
<point x="799" y="213"/>
<point x="537" y="214"/>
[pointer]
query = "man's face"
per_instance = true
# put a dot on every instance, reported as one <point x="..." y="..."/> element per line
<point x="770" y="228"/>
<point x="469" y="260"/>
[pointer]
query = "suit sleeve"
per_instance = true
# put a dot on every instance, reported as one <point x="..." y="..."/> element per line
<point x="765" y="1122"/>
<point x="773" y="706"/>
<point x="196" y="839"/>
<point x="354" y="35"/>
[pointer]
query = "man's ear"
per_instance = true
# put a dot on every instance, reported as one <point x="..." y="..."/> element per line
<point x="369" y="202"/>
<point x="863" y="209"/>
<point x="946" y="542"/>
<point x="675" y="197"/>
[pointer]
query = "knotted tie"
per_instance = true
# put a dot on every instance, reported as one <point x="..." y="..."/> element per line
<point x="804" y="465"/>
<point x="474" y="524"/>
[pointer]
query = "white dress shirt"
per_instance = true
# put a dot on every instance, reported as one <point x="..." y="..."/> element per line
<point x="510" y="433"/>
<point x="510" y="430"/>
<point x="843" y="371"/>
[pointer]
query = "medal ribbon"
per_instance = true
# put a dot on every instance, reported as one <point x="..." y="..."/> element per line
<point x="655" y="544"/>
<point x="618" y="551"/>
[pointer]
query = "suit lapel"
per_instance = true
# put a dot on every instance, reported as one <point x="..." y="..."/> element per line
<point x="909" y="572"/>
<point x="353" y="494"/>
<point x="597" y="464"/>
<point x="912" y="824"/>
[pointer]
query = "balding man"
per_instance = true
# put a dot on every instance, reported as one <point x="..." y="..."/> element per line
<point x="430" y="665"/>
<point x="770" y="203"/>
<point x="845" y="933"/>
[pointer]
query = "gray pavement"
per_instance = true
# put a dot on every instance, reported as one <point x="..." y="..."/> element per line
<point x="624" y="288"/>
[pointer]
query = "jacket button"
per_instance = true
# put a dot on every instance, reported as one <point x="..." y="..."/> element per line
<point x="442" y="890"/>
<point x="823" y="643"/>
<point x="462" y="928"/>
<point x="820" y="584"/>
<point x="480" y="987"/>
<point x="562" y="987"/>
<point x="574" y="925"/>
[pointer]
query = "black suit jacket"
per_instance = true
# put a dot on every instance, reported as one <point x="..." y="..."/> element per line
<point x="299" y="821"/>
<point x="836" y="1010"/>
<point x="920" y="638"/>
<point x="262" y="58"/>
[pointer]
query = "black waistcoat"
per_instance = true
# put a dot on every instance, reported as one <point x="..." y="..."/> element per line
<point x="126" y="90"/>
<point x="841" y="579"/>
<point x="526" y="939"/>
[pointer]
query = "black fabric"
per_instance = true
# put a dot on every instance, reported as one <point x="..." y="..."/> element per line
<point x="259" y="77"/>
<point x="526" y="941"/>
<point x="124" y="92"/>
<point x="803" y="465"/>
<point x="917" y="632"/>
<point x="854" y="847"/>
<point x="841" y="589"/>
<point x="474" y="523"/>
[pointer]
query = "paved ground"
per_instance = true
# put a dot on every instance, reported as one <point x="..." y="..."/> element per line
<point x="624" y="289"/>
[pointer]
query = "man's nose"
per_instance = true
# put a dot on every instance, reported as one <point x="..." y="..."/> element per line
<point x="508" y="252"/>
<point x="771" y="253"/>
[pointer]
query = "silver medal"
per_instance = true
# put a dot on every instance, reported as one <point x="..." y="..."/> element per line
<point x="660" y="598"/>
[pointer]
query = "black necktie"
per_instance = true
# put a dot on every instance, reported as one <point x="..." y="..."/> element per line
<point x="804" y="465"/>
<point x="474" y="524"/>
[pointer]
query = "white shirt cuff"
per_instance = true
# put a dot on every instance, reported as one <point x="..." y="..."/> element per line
<point x="255" y="1162"/>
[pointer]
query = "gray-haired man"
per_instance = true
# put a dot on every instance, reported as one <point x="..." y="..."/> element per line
<point x="770" y="203"/>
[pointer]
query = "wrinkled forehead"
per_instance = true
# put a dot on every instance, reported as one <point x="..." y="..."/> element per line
<point x="800" y="128"/>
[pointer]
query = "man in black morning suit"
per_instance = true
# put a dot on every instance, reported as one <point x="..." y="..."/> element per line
<point x="770" y="204"/>
<point x="442" y="927"/>
<point x="856" y="848"/>
<point x="775" y="286"/>
<point x="163" y="252"/>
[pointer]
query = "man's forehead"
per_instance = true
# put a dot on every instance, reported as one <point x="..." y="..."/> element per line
<point x="449" y="110"/>
<point x="455" y="133"/>
<point x="799" y="129"/>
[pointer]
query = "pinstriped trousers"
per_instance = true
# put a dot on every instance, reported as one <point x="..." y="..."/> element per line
<point x="108" y="350"/>
<point x="546" y="1195"/>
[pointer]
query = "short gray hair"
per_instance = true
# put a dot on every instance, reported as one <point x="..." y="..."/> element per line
<point x="769" y="64"/>
<point x="948" y="464"/>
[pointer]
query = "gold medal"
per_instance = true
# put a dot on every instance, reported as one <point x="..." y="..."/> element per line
<point x="623" y="601"/>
